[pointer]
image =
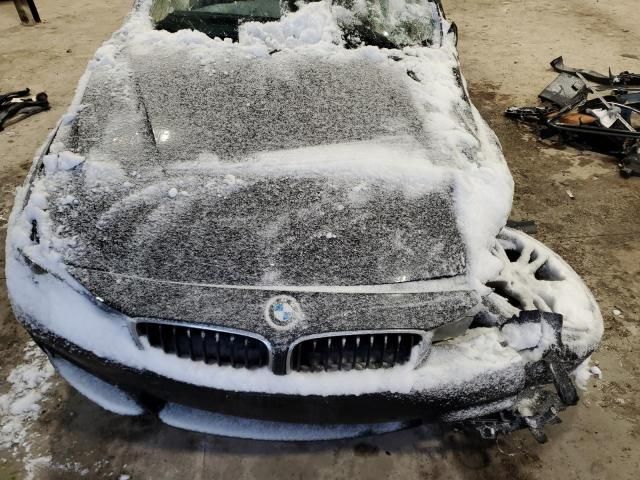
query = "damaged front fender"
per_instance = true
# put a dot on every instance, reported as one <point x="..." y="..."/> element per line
<point x="545" y="312"/>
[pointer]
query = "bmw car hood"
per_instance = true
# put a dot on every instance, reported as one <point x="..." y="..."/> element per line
<point x="261" y="172"/>
<point x="251" y="230"/>
<point x="234" y="105"/>
<point x="196" y="179"/>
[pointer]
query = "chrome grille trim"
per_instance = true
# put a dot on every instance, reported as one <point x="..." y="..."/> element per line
<point x="385" y="336"/>
<point x="223" y="342"/>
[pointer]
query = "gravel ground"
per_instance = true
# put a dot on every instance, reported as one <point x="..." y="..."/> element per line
<point x="505" y="48"/>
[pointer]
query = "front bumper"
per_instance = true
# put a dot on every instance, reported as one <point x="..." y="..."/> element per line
<point x="152" y="392"/>
<point x="124" y="390"/>
<point x="468" y="379"/>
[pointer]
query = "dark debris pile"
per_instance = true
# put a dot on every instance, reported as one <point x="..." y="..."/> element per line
<point x="590" y="110"/>
<point x="15" y="106"/>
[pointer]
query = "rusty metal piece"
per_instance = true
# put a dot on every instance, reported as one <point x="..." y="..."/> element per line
<point x="575" y="118"/>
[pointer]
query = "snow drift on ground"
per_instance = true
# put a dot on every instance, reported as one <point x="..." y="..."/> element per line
<point x="20" y="407"/>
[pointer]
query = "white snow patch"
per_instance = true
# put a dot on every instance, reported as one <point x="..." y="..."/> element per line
<point x="104" y="394"/>
<point x="101" y="171"/>
<point x="20" y="407"/>
<point x="19" y="236"/>
<point x="63" y="161"/>
<point x="584" y="373"/>
<point x="312" y="24"/>
<point x="67" y="200"/>
<point x="522" y="336"/>
<point x="479" y="352"/>
<point x="531" y="339"/>
<point x="33" y="466"/>
<point x="596" y="372"/>
<point x="564" y="292"/>
<point x="527" y="406"/>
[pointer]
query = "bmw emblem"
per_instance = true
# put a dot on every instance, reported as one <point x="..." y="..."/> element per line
<point x="283" y="312"/>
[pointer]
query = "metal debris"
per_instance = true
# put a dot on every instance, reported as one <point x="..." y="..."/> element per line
<point x="604" y="118"/>
<point x="624" y="78"/>
<point x="564" y="89"/>
<point x="18" y="105"/>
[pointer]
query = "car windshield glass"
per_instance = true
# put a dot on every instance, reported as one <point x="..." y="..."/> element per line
<point x="216" y="18"/>
<point x="381" y="23"/>
<point x="390" y="23"/>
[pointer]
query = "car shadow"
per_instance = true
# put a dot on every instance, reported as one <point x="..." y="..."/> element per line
<point x="78" y="426"/>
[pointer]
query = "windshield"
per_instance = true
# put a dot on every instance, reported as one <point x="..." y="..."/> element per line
<point x="381" y="23"/>
<point x="389" y="23"/>
<point x="216" y="18"/>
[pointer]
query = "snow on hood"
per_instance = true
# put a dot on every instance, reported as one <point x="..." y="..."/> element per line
<point x="140" y="127"/>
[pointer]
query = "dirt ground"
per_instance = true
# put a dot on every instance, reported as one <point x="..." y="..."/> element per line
<point x="505" y="48"/>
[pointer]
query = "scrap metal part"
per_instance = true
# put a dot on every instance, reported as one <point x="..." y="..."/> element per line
<point x="529" y="114"/>
<point x="564" y="90"/>
<point x="630" y="164"/>
<point x="15" y="106"/>
<point x="623" y="78"/>
<point x="608" y="123"/>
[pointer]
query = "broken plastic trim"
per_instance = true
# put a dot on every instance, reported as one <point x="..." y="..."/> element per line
<point x="542" y="408"/>
<point x="537" y="406"/>
<point x="565" y="90"/>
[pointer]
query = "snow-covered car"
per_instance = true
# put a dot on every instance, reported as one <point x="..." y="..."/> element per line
<point x="291" y="214"/>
